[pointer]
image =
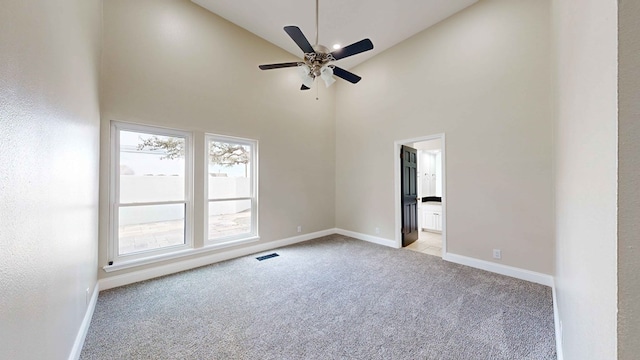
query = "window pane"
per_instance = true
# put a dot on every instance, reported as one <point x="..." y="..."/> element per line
<point x="152" y="167"/>
<point x="143" y="228"/>
<point x="229" y="170"/>
<point x="229" y="218"/>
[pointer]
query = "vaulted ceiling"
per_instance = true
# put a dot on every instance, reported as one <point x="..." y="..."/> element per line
<point x="386" y="23"/>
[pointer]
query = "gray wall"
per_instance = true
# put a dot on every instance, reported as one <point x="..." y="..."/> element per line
<point x="482" y="77"/>
<point x="174" y="64"/>
<point x="586" y="138"/>
<point x="49" y="131"/>
<point x="628" y="179"/>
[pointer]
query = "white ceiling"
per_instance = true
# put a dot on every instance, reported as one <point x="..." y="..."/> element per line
<point x="386" y="23"/>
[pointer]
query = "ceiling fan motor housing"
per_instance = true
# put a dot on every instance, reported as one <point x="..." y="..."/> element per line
<point x="316" y="60"/>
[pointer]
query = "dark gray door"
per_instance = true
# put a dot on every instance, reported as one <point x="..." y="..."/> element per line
<point x="409" y="181"/>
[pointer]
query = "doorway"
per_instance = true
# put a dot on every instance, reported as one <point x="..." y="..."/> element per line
<point x="431" y="194"/>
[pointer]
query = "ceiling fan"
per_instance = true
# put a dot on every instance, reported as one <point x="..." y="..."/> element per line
<point x="318" y="60"/>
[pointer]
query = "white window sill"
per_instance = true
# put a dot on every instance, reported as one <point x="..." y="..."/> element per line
<point x="128" y="264"/>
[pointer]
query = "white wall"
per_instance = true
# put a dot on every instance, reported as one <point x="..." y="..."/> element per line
<point x="49" y="131"/>
<point x="483" y="78"/>
<point x="628" y="180"/>
<point x="586" y="183"/>
<point x="172" y="63"/>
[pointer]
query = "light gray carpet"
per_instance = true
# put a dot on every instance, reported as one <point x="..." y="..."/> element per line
<point x="329" y="298"/>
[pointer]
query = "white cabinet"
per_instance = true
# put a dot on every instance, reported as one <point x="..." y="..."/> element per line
<point x="432" y="217"/>
<point x="428" y="220"/>
<point x="438" y="220"/>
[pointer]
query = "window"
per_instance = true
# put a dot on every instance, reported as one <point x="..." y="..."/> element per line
<point x="151" y="207"/>
<point x="152" y="190"/>
<point x="231" y="189"/>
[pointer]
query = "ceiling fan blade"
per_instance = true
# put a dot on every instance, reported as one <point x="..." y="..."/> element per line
<point x="304" y="87"/>
<point x="298" y="37"/>
<point x="344" y="74"/>
<point x="278" y="66"/>
<point x="353" y="49"/>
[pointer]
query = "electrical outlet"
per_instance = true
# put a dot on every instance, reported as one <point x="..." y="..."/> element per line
<point x="497" y="254"/>
<point x="377" y="231"/>
<point x="86" y="297"/>
<point x="299" y="228"/>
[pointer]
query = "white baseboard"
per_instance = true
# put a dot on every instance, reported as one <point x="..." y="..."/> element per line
<point x="556" y="320"/>
<point x="84" y="326"/>
<point x="514" y="272"/>
<point x="369" y="238"/>
<point x="146" y="274"/>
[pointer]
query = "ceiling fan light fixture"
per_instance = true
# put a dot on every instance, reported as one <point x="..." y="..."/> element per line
<point x="308" y="81"/>
<point x="336" y="46"/>
<point x="304" y="70"/>
<point x="326" y="73"/>
<point x="305" y="74"/>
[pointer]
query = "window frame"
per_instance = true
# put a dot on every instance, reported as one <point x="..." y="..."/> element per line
<point x="114" y="258"/>
<point x="252" y="235"/>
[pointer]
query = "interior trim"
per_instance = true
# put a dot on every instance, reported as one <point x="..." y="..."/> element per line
<point x="121" y="265"/>
<point x="514" y="272"/>
<point x="556" y="321"/>
<point x="84" y="326"/>
<point x="368" y="238"/>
